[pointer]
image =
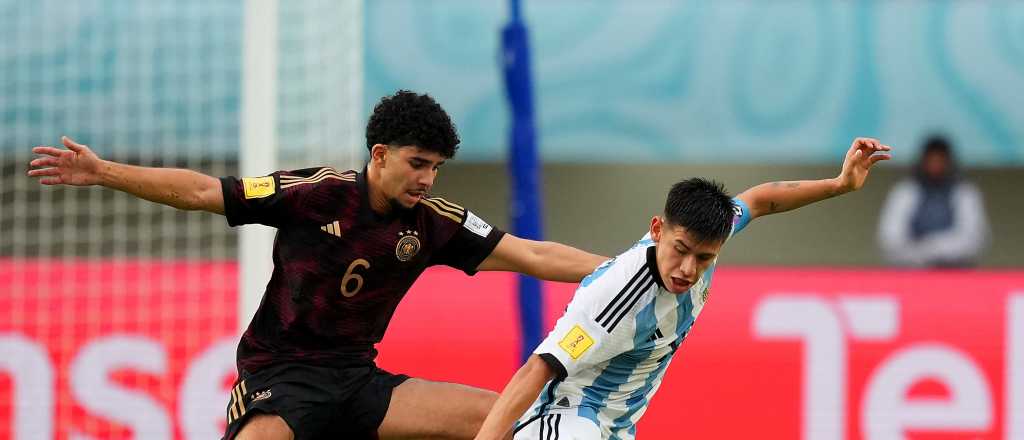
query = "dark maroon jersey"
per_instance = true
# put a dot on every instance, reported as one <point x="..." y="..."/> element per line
<point x="340" y="269"/>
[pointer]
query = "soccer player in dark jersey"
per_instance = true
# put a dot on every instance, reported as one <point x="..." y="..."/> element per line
<point x="349" y="246"/>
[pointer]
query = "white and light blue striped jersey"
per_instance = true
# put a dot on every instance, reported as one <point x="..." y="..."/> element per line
<point x="617" y="338"/>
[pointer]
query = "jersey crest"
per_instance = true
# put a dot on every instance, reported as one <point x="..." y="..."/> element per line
<point x="408" y="245"/>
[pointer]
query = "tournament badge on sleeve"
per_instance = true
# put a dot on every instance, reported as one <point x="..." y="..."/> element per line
<point x="576" y="342"/>
<point x="258" y="187"/>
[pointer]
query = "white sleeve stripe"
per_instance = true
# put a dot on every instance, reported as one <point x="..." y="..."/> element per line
<point x="621" y="294"/>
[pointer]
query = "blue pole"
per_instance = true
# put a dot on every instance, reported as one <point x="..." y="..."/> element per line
<point x="523" y="168"/>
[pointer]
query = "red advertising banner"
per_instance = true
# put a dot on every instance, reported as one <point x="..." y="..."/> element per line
<point x="116" y="349"/>
<point x="146" y="350"/>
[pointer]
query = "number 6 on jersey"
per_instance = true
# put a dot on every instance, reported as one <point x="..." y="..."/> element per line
<point x="349" y="277"/>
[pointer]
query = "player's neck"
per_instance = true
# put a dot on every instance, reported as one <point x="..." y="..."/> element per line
<point x="378" y="200"/>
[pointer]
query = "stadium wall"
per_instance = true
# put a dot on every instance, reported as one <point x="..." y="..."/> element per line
<point x="605" y="208"/>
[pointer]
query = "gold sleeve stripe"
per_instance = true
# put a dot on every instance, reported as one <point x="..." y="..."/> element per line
<point x="318" y="174"/>
<point x="312" y="176"/>
<point x="322" y="170"/>
<point x="239" y="402"/>
<point x="444" y="202"/>
<point x="233" y="413"/>
<point x="440" y="205"/>
<point x="317" y="180"/>
<point x="433" y="206"/>
<point x="244" y="391"/>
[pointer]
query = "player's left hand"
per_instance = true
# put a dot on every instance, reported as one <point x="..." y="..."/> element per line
<point x="863" y="154"/>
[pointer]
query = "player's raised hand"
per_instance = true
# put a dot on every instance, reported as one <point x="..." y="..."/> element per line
<point x="77" y="165"/>
<point x="863" y="154"/>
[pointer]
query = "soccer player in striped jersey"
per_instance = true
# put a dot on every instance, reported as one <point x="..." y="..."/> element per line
<point x="349" y="246"/>
<point x="593" y="376"/>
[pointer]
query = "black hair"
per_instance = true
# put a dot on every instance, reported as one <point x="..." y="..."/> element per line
<point x="408" y="118"/>
<point x="702" y="207"/>
<point x="937" y="144"/>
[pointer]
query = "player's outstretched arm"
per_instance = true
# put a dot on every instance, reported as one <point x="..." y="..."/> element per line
<point x="77" y="165"/>
<point x="516" y="398"/>
<point x="541" y="259"/>
<point x="776" y="197"/>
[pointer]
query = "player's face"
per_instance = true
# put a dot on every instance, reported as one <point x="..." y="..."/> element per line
<point x="407" y="173"/>
<point x="936" y="165"/>
<point x="681" y="258"/>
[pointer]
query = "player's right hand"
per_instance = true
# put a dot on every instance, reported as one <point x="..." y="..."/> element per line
<point x="77" y="165"/>
<point x="863" y="154"/>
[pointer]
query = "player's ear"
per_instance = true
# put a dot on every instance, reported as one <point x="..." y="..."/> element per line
<point x="656" y="226"/>
<point x="378" y="154"/>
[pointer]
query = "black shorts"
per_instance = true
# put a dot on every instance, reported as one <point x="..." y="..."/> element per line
<point x="316" y="402"/>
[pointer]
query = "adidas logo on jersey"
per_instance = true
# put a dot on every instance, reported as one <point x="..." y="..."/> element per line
<point x="333" y="228"/>
<point x="656" y="335"/>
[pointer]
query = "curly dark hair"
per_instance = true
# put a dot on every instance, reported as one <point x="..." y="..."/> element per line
<point x="408" y="118"/>
<point x="702" y="207"/>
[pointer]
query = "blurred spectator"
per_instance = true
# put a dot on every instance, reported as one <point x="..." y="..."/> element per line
<point x="934" y="218"/>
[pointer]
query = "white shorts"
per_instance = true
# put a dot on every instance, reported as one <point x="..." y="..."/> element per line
<point x="559" y="426"/>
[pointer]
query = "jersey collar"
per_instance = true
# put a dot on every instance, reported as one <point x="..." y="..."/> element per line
<point x="652" y="265"/>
